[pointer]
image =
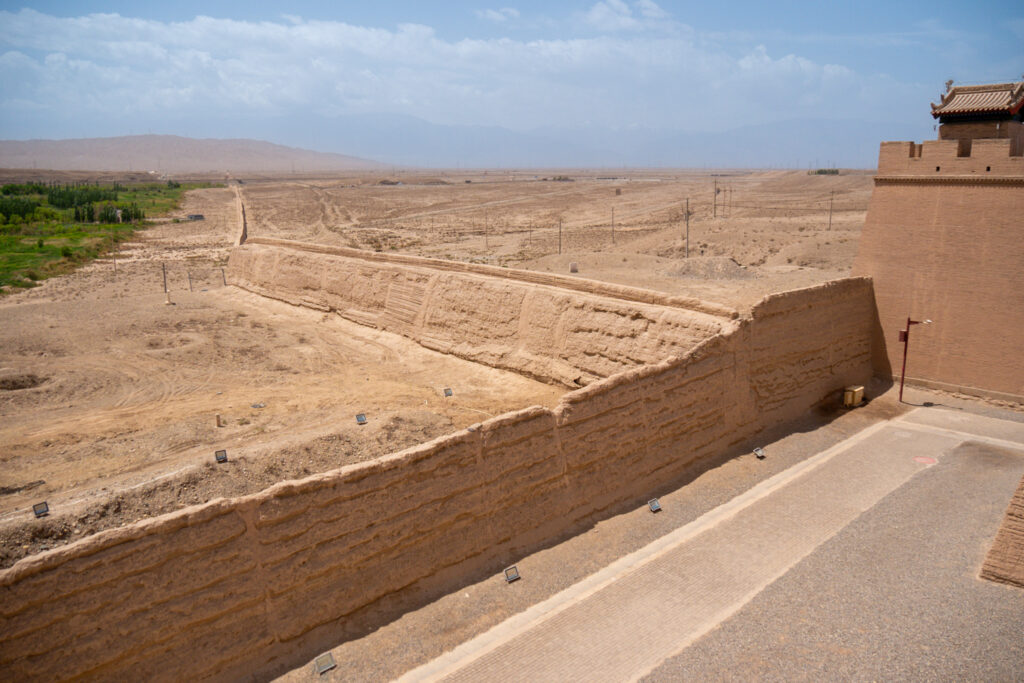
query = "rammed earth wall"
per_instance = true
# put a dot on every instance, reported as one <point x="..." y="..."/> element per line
<point x="253" y="586"/>
<point x="943" y="241"/>
<point x="523" y="321"/>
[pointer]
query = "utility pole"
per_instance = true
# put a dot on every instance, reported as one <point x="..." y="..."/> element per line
<point x="167" y="294"/>
<point x="714" y="210"/>
<point x="687" y="227"/>
<point x="831" y="197"/>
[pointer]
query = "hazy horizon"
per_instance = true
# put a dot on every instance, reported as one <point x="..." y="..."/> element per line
<point x="607" y="83"/>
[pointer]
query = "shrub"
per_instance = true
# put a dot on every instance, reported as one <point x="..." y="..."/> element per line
<point x="65" y="252"/>
<point x="39" y="243"/>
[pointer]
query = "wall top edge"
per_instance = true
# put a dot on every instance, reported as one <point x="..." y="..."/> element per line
<point x="839" y="285"/>
<point x="949" y="180"/>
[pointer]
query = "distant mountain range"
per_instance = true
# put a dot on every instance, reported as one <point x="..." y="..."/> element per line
<point x="171" y="154"/>
<point x="401" y="140"/>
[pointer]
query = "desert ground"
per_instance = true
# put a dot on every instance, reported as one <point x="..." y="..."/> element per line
<point x="767" y="231"/>
<point x="110" y="396"/>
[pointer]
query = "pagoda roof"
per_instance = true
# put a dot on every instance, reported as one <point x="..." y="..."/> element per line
<point x="981" y="99"/>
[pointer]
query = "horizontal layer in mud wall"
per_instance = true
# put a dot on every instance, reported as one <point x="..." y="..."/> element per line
<point x="558" y="335"/>
<point x="254" y="586"/>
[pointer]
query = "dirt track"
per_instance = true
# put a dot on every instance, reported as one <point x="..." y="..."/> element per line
<point x="110" y="397"/>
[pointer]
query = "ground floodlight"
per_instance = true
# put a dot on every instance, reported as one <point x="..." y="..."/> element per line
<point x="447" y="391"/>
<point x="759" y="452"/>
<point x="324" y="663"/>
<point x="654" y="505"/>
<point x="221" y="456"/>
<point x="41" y="509"/>
<point x="512" y="574"/>
<point x="361" y="419"/>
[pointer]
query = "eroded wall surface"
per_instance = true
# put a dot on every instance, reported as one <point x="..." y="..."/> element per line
<point x="254" y="586"/>
<point x="1005" y="559"/>
<point x="944" y="240"/>
<point x="515" y="320"/>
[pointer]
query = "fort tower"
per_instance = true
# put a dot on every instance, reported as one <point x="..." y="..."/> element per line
<point x="944" y="240"/>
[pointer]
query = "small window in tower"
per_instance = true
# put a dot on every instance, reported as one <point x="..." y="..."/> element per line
<point x="988" y="168"/>
<point x="936" y="169"/>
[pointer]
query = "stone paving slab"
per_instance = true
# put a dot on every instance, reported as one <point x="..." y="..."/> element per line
<point x="976" y="427"/>
<point x="652" y="604"/>
<point x="895" y="596"/>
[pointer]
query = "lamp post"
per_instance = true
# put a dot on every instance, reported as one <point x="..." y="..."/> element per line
<point x="905" y="338"/>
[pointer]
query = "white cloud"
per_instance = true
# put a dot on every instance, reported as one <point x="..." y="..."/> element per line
<point x="612" y="15"/>
<point x="617" y="15"/>
<point x="650" y="10"/>
<point x="103" y="66"/>
<point x="498" y="15"/>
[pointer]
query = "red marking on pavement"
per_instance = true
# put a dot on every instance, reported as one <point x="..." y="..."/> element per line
<point x="925" y="460"/>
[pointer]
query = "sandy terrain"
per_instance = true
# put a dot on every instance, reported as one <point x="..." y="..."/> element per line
<point x="109" y="397"/>
<point x="769" y="233"/>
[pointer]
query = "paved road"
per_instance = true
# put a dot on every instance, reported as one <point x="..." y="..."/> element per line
<point x="730" y="594"/>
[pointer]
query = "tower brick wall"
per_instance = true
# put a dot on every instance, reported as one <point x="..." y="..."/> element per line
<point x="971" y="130"/>
<point x="944" y="240"/>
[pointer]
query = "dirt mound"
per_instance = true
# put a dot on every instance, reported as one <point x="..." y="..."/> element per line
<point x="13" y="382"/>
<point x="711" y="268"/>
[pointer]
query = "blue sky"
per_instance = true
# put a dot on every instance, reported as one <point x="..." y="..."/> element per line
<point x="208" y="69"/>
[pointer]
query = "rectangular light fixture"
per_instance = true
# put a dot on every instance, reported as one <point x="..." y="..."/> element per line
<point x="511" y="574"/>
<point x="41" y="509"/>
<point x="759" y="452"/>
<point x="361" y="419"/>
<point x="654" y="505"/>
<point x="221" y="456"/>
<point x="324" y="663"/>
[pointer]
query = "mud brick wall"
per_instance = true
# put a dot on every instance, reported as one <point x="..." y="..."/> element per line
<point x="947" y="246"/>
<point x="254" y="586"/>
<point x="513" y="320"/>
<point x="1005" y="560"/>
<point x="1013" y="130"/>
